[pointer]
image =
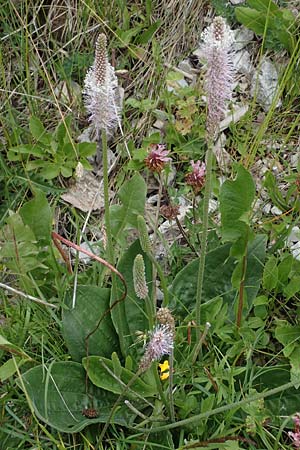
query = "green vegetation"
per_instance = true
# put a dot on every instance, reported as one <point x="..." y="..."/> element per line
<point x="74" y="368"/>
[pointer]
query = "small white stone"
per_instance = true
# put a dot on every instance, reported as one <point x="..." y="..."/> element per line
<point x="264" y="84"/>
<point x="276" y="211"/>
<point x="243" y="36"/>
<point x="159" y="124"/>
<point x="186" y="66"/>
<point x="294" y="235"/>
<point x="241" y="62"/>
<point x="295" y="249"/>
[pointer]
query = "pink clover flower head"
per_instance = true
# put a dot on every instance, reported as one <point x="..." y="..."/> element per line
<point x="295" y="435"/>
<point x="160" y="344"/>
<point x="217" y="41"/>
<point x="157" y="157"/>
<point x="100" y="91"/>
<point x="196" y="178"/>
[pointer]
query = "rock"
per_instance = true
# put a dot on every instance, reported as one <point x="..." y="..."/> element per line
<point x="264" y="84"/>
<point x="295" y="159"/>
<point x="159" y="124"/>
<point x="242" y="37"/>
<point x="175" y="85"/>
<point x="242" y="63"/>
<point x="86" y="194"/>
<point x="276" y="211"/>
<point x="233" y="116"/>
<point x="223" y="158"/>
<point x="92" y="247"/>
<point x="237" y="2"/>
<point x="294" y="235"/>
<point x="185" y="66"/>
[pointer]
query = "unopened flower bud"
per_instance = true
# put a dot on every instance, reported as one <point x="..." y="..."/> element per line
<point x="139" y="278"/>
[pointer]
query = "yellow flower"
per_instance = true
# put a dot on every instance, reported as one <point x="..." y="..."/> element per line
<point x="164" y="370"/>
<point x="164" y="376"/>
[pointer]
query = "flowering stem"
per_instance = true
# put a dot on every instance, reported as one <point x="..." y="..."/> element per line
<point x="207" y="194"/>
<point x="160" y="389"/>
<point x="171" y="400"/>
<point x="150" y="311"/>
<point x="110" y="251"/>
<point x="162" y="279"/>
<point x="110" y="254"/>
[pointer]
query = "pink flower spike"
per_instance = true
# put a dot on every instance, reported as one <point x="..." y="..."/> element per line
<point x="157" y="157"/>
<point x="217" y="41"/>
<point x="160" y="344"/>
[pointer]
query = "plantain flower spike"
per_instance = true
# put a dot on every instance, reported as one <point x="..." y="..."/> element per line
<point x="139" y="277"/>
<point x="160" y="344"/>
<point x="101" y="91"/>
<point x="217" y="41"/>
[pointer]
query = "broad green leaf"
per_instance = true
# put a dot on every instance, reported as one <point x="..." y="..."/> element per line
<point x="10" y="367"/>
<point x="284" y="269"/>
<point x="37" y="215"/>
<point x="292" y="287"/>
<point x="50" y="170"/>
<point x="146" y="36"/>
<point x="38" y="131"/>
<point x="236" y="198"/>
<point x="19" y="246"/>
<point x="263" y="5"/>
<point x="125" y="36"/>
<point x="288" y="335"/>
<point x="28" y="149"/>
<point x="270" y="275"/>
<point x="61" y="131"/>
<point x="87" y="148"/>
<point x="92" y="303"/>
<point x="132" y="309"/>
<point x="251" y="18"/>
<point x="59" y="397"/>
<point x="66" y="172"/>
<point x="219" y="268"/>
<point x="133" y="196"/>
<point x="100" y="376"/>
<point x="283" y="404"/>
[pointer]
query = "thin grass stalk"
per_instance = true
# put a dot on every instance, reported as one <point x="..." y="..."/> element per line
<point x="230" y="406"/>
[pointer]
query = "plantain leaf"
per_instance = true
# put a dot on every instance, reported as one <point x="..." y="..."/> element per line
<point x="236" y="198"/>
<point x="59" y="398"/>
<point x="219" y="266"/>
<point x="37" y="215"/>
<point x="91" y="304"/>
<point x="133" y="196"/>
<point x="98" y="370"/>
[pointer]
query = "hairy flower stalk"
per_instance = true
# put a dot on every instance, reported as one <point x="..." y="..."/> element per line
<point x="100" y="91"/>
<point x="217" y="41"/>
<point x="101" y="102"/>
